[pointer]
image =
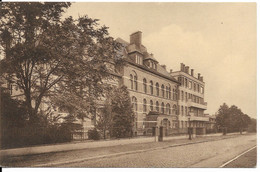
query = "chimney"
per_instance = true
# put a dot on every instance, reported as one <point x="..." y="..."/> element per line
<point x="191" y="72"/>
<point x="171" y="71"/>
<point x="181" y="66"/>
<point x="164" y="66"/>
<point x="199" y="76"/>
<point x="136" y="38"/>
<point x="187" y="69"/>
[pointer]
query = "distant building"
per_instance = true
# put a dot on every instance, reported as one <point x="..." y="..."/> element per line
<point x="211" y="124"/>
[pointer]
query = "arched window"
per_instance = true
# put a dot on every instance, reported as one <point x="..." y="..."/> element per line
<point x="157" y="89"/>
<point x="167" y="92"/>
<point x="134" y="103"/>
<point x="131" y="81"/>
<point x="182" y="95"/>
<point x="157" y="106"/>
<point x="168" y="109"/>
<point x="173" y="94"/>
<point x="170" y="92"/>
<point x="186" y="98"/>
<point x="174" y="109"/>
<point x="162" y="107"/>
<point x="186" y="110"/>
<point x="151" y="87"/>
<point x="151" y="105"/>
<point x="162" y="90"/>
<point x="181" y="110"/>
<point x="145" y="85"/>
<point x="144" y="105"/>
<point x="135" y="82"/>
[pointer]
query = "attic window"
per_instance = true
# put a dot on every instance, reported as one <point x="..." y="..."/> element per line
<point x="138" y="59"/>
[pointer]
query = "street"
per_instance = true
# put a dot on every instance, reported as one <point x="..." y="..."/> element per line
<point x="199" y="152"/>
<point x="208" y="154"/>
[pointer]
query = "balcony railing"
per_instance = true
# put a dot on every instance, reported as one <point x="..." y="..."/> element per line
<point x="197" y="105"/>
<point x="193" y="117"/>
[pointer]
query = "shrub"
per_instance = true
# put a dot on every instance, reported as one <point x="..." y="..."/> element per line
<point x="93" y="134"/>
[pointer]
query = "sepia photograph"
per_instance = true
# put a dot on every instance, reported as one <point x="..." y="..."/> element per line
<point x="128" y="84"/>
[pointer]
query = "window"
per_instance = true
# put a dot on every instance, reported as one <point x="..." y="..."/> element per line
<point x="182" y="110"/>
<point x="190" y="84"/>
<point x="134" y="103"/>
<point x="182" y="95"/>
<point x="151" y="87"/>
<point x="151" y="105"/>
<point x="173" y="94"/>
<point x="201" y="90"/>
<point x="162" y="107"/>
<point x="157" y="106"/>
<point x="138" y="59"/>
<point x="157" y="89"/>
<point x="168" y="109"/>
<point x="186" y="124"/>
<point x="131" y="81"/>
<point x="185" y="110"/>
<point x="194" y="86"/>
<point x="135" y="82"/>
<point x="186" y="82"/>
<point x="174" y="110"/>
<point x="144" y="105"/>
<point x="162" y="90"/>
<point x="170" y="92"/>
<point x="167" y="92"/>
<point x="145" y="85"/>
<point x="198" y="88"/>
<point x="186" y="97"/>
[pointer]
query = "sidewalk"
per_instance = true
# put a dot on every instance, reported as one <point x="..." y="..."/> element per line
<point x="84" y="145"/>
<point x="75" y="156"/>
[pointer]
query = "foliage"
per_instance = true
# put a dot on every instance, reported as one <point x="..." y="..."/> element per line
<point x="16" y="131"/>
<point x="104" y="122"/>
<point x="252" y="126"/>
<point x="122" y="112"/>
<point x="93" y="134"/>
<point x="232" y="118"/>
<point x="116" y="117"/>
<point x="53" y="59"/>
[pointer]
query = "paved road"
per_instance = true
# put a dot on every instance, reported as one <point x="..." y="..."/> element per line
<point x="208" y="154"/>
<point x="247" y="160"/>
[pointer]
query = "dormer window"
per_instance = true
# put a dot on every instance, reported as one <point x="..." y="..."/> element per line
<point x="138" y="59"/>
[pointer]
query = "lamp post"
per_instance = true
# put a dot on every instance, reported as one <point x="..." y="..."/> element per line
<point x="189" y="129"/>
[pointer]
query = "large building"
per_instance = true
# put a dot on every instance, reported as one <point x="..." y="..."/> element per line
<point x="191" y="104"/>
<point x="152" y="89"/>
<point x="174" y="100"/>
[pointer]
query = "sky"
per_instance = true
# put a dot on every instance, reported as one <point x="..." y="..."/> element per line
<point x="217" y="40"/>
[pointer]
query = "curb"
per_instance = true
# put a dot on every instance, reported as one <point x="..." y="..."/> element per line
<point x="124" y="153"/>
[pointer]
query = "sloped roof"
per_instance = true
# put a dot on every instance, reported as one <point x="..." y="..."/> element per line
<point x="160" y="70"/>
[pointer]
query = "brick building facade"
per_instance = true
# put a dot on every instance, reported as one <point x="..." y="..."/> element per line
<point x="176" y="97"/>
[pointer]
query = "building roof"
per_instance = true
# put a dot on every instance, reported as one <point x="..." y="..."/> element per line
<point x="130" y="48"/>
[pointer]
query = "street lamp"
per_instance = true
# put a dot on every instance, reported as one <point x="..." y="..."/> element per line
<point x="189" y="129"/>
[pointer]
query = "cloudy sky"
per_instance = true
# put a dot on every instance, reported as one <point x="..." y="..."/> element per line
<point x="217" y="40"/>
